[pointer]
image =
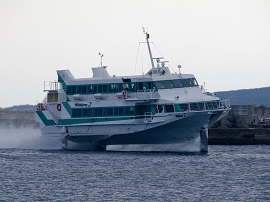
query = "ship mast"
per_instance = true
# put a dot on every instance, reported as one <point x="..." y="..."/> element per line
<point x="150" y="53"/>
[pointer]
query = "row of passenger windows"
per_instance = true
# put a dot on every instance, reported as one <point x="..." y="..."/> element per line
<point x="197" y="106"/>
<point x="130" y="111"/>
<point x="131" y="87"/>
<point x="99" y="112"/>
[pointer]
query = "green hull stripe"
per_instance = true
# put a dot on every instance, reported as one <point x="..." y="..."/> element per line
<point x="46" y="121"/>
<point x="68" y="108"/>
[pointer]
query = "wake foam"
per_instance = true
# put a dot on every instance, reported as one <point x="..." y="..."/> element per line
<point x="26" y="138"/>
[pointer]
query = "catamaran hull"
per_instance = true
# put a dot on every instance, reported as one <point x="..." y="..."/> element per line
<point x="188" y="134"/>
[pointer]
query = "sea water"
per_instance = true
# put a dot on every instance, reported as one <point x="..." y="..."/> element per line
<point x="34" y="168"/>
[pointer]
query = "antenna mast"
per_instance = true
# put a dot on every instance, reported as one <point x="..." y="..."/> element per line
<point x="101" y="56"/>
<point x="150" y="53"/>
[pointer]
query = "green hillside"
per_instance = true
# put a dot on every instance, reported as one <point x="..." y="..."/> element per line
<point x="256" y="96"/>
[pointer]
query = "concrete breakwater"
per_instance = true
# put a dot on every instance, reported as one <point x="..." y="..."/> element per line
<point x="217" y="136"/>
<point x="239" y="136"/>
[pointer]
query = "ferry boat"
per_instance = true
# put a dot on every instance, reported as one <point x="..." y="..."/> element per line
<point x="157" y="111"/>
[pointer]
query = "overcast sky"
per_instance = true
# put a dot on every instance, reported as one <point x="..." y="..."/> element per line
<point x="224" y="43"/>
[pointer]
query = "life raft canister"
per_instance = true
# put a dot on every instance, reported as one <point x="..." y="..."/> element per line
<point x="124" y="94"/>
<point x="59" y="107"/>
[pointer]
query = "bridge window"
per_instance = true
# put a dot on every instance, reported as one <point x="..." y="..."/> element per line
<point x="194" y="82"/>
<point x="168" y="84"/>
<point x="185" y="83"/>
<point x="159" y="84"/>
<point x="209" y="105"/>
<point x="215" y="104"/>
<point x="177" y="83"/>
<point x="201" y="105"/>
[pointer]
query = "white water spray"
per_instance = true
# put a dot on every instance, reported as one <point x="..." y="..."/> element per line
<point x="26" y="138"/>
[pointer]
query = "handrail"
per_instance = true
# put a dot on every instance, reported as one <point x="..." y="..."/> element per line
<point x="52" y="85"/>
<point x="148" y="116"/>
<point x="224" y="103"/>
<point x="147" y="93"/>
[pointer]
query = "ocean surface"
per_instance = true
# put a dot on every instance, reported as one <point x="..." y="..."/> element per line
<point x="34" y="168"/>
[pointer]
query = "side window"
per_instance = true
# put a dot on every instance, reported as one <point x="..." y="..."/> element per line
<point x="184" y="107"/>
<point x="113" y="88"/>
<point x="116" y="111"/>
<point x="84" y="89"/>
<point x="169" y="108"/>
<point x="139" y="86"/>
<point x="121" y="111"/>
<point x="108" y="111"/>
<point x="193" y="106"/>
<point x="73" y="90"/>
<point x="149" y="85"/>
<point x="131" y="111"/>
<point x="86" y="112"/>
<point x="104" y="88"/>
<point x="79" y="89"/>
<point x="74" y="113"/>
<point x="99" y="89"/>
<point x="160" y="108"/>
<point x="126" y="86"/>
<point x="97" y="111"/>
<point x="79" y="112"/>
<point x="92" y="89"/>
<point x="132" y="87"/>
<point x="177" y="108"/>
<point x="69" y="90"/>
<point x="120" y="88"/>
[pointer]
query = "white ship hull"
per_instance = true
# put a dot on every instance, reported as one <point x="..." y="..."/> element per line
<point x="175" y="132"/>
